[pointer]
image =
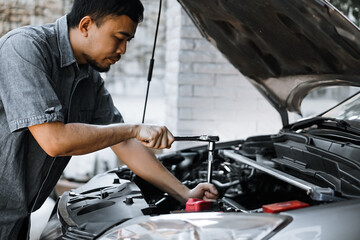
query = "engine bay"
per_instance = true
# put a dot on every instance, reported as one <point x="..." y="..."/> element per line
<point x="249" y="174"/>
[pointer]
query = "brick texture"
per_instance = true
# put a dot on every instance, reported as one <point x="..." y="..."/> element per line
<point x="211" y="96"/>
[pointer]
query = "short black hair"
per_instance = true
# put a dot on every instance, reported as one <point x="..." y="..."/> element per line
<point x="99" y="9"/>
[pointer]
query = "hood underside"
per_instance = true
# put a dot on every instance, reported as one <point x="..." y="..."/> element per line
<point x="285" y="47"/>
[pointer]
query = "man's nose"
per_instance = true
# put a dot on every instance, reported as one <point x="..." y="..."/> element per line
<point x="121" y="48"/>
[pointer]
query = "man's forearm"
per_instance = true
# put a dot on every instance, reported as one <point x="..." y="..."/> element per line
<point x="144" y="163"/>
<point x="58" y="139"/>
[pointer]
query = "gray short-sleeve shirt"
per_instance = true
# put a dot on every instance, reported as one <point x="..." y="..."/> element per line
<point x="40" y="82"/>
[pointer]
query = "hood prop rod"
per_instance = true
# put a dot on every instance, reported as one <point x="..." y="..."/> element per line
<point x="152" y="61"/>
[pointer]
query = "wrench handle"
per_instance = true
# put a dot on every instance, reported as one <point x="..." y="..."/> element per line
<point x="187" y="138"/>
<point x="201" y="138"/>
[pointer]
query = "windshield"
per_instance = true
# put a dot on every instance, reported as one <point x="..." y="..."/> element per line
<point x="349" y="110"/>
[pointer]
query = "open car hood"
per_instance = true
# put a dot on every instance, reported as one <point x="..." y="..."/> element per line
<point x="285" y="48"/>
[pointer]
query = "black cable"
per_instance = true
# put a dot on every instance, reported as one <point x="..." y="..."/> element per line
<point x="151" y="66"/>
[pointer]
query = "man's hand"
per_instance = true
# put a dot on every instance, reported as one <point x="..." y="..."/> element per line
<point x="204" y="191"/>
<point x="154" y="136"/>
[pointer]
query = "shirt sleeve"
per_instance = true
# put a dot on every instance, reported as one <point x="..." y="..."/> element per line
<point x="26" y="89"/>
<point x="105" y="112"/>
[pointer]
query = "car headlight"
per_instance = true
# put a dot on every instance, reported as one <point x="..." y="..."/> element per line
<point x="209" y="226"/>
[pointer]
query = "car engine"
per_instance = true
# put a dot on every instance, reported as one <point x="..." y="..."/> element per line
<point x="249" y="174"/>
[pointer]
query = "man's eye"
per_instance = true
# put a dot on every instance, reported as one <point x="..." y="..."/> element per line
<point x="122" y="39"/>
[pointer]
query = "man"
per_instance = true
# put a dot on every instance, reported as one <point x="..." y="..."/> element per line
<point x="53" y="105"/>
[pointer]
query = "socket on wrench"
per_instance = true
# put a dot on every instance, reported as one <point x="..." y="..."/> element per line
<point x="211" y="149"/>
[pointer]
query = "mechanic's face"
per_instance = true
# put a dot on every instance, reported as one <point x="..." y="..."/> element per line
<point x="108" y="42"/>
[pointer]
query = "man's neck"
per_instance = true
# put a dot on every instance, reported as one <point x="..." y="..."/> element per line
<point x="76" y="45"/>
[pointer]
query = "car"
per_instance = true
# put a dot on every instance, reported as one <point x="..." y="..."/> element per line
<point x="302" y="182"/>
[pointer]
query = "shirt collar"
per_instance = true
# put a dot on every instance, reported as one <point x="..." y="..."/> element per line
<point x="66" y="53"/>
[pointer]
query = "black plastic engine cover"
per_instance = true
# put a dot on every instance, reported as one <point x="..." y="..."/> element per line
<point x="92" y="209"/>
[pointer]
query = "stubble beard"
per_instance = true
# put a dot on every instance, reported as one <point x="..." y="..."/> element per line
<point x="95" y="65"/>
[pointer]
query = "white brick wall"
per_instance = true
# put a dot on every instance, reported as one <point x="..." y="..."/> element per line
<point x="18" y="13"/>
<point x="206" y="94"/>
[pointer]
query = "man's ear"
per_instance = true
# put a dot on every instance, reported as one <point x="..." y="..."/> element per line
<point x="85" y="25"/>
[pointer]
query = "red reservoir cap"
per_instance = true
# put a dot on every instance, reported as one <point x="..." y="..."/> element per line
<point x="283" y="206"/>
<point x="197" y="205"/>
